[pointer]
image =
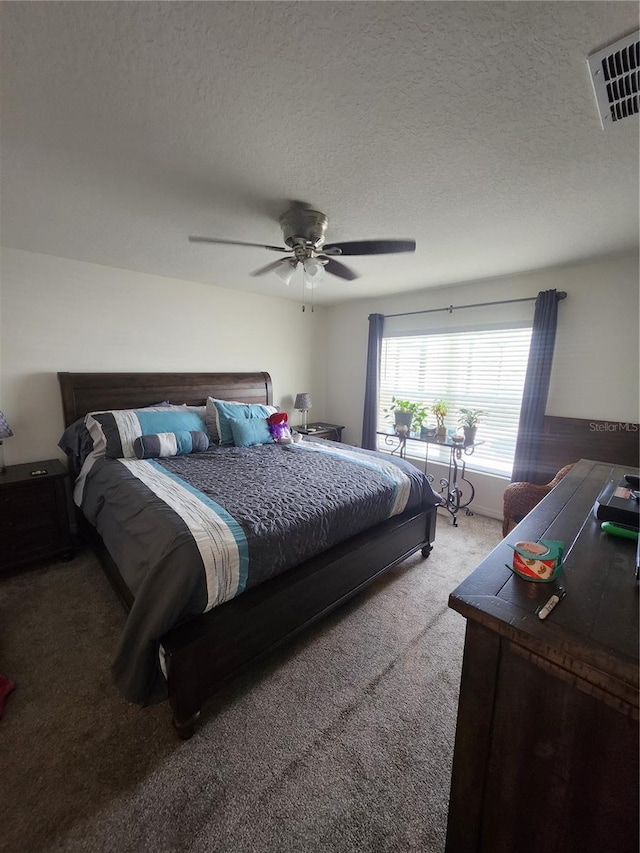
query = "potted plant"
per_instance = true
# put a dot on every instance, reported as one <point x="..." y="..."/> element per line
<point x="468" y="420"/>
<point x="407" y="414"/>
<point x="440" y="410"/>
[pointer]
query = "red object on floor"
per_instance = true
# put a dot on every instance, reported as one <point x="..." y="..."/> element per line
<point x="6" y="687"/>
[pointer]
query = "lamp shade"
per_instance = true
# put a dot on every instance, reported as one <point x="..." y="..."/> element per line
<point x="286" y="270"/>
<point x="303" y="402"/>
<point x="313" y="270"/>
<point x="5" y="429"/>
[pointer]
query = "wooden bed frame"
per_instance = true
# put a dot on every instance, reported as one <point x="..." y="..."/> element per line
<point x="205" y="652"/>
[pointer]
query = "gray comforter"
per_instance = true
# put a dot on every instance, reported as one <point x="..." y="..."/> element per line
<point x="191" y="532"/>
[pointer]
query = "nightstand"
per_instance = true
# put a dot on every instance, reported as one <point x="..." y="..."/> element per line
<point x="322" y="430"/>
<point x="34" y="516"/>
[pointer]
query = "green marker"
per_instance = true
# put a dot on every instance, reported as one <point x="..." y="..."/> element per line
<point x="622" y="530"/>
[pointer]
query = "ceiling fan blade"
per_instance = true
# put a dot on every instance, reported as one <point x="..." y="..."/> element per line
<point x="274" y="265"/>
<point x="236" y="243"/>
<point x="372" y="247"/>
<point x="342" y="271"/>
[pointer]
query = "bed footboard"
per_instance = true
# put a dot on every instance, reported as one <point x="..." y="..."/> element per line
<point x="210" y="650"/>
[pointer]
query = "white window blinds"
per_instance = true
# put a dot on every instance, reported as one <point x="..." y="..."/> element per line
<point x="478" y="369"/>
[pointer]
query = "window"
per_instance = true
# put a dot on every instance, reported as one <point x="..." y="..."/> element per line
<point x="475" y="369"/>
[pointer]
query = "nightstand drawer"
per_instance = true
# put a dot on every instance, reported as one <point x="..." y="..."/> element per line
<point x="16" y="552"/>
<point x="28" y="498"/>
<point x="38" y="526"/>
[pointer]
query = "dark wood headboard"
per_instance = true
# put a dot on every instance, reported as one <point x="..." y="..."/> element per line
<point x="567" y="440"/>
<point x="91" y="392"/>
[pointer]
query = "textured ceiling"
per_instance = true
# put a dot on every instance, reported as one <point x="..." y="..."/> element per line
<point x="471" y="127"/>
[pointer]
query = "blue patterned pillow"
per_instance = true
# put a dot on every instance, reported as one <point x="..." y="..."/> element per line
<point x="114" y="432"/>
<point x="170" y="444"/>
<point x="249" y="431"/>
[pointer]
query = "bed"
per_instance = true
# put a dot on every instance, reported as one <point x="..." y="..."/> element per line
<point x="187" y="642"/>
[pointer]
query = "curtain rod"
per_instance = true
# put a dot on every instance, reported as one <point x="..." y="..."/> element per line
<point x="452" y="308"/>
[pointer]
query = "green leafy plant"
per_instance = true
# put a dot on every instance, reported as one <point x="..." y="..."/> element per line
<point x="470" y="417"/>
<point x="418" y="411"/>
<point x="440" y="409"/>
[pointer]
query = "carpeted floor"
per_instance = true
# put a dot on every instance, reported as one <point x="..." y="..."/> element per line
<point x="341" y="741"/>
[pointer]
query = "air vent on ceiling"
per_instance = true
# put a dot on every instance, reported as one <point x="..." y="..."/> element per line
<point x="615" y="76"/>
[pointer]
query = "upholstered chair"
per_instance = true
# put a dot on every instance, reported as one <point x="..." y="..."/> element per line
<point x="520" y="498"/>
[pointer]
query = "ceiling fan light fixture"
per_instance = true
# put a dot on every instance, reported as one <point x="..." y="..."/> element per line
<point x="286" y="270"/>
<point x="313" y="270"/>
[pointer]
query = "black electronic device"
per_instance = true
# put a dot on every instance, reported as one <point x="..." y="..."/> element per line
<point x="618" y="503"/>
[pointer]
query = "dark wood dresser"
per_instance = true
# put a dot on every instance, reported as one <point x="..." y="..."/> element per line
<point x="546" y="750"/>
<point x="34" y="517"/>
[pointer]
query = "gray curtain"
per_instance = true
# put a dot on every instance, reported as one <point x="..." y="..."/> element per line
<point x="536" y="388"/>
<point x="372" y="382"/>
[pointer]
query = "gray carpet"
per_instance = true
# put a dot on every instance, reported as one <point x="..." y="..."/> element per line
<point x="341" y="741"/>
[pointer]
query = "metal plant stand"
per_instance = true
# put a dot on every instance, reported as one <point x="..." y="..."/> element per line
<point x="456" y="496"/>
<point x="457" y="491"/>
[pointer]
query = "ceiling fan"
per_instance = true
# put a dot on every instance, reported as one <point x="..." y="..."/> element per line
<point x="303" y="231"/>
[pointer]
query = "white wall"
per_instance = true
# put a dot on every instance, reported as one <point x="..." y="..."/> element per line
<point x="595" y="369"/>
<point x="59" y="314"/>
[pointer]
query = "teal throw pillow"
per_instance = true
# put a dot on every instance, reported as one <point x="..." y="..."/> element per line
<point x="249" y="431"/>
<point x="237" y="411"/>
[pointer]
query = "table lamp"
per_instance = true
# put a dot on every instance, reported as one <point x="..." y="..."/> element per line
<point x="303" y="404"/>
<point x="5" y="432"/>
